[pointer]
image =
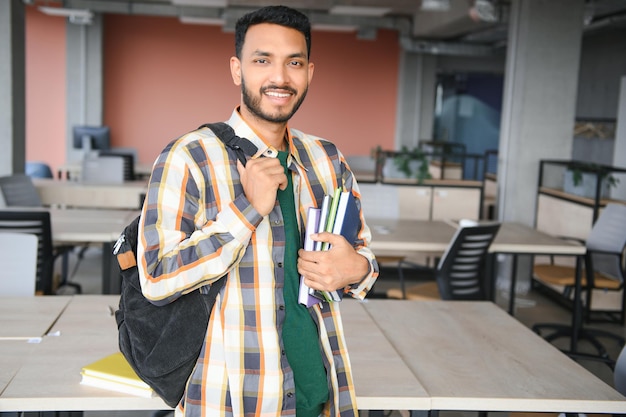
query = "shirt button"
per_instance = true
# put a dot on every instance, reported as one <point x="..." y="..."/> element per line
<point x="290" y="394"/>
<point x="276" y="221"/>
<point x="282" y="352"/>
<point x="281" y="307"/>
<point x="280" y="264"/>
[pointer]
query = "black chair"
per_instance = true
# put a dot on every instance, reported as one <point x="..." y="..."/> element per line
<point x="36" y="222"/>
<point x="18" y="190"/>
<point x="604" y="269"/>
<point x="460" y="273"/>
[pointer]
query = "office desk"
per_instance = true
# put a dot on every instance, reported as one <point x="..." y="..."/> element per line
<point x="406" y="355"/>
<point x="24" y="321"/>
<point x="28" y="318"/>
<point x="435" y="236"/>
<point x="128" y="195"/>
<point x="49" y="379"/>
<point x="473" y="356"/>
<point x="76" y="226"/>
<point x="73" y="170"/>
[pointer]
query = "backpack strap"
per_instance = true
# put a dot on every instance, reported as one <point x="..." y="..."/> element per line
<point x="242" y="146"/>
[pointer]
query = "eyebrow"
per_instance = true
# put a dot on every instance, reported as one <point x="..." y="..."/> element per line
<point x="264" y="53"/>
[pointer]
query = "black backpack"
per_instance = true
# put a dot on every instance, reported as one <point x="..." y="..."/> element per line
<point x="162" y="343"/>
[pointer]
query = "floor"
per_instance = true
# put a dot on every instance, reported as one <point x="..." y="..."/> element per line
<point x="531" y="307"/>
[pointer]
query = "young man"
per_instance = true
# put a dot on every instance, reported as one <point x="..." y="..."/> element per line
<point x="206" y="215"/>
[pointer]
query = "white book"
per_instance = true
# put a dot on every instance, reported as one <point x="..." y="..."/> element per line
<point x="323" y="217"/>
<point x="312" y="224"/>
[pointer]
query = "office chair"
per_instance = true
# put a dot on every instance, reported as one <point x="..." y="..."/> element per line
<point x="460" y="273"/>
<point x="35" y="222"/>
<point x="603" y="269"/>
<point x="19" y="190"/>
<point x="38" y="170"/>
<point x="129" y="162"/>
<point x="18" y="261"/>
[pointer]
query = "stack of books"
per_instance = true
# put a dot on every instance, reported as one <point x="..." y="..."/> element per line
<point x="338" y="215"/>
<point x="114" y="373"/>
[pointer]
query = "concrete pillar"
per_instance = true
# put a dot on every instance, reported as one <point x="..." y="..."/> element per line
<point x="539" y="104"/>
<point x="416" y="99"/>
<point x="538" y="111"/>
<point x="12" y="87"/>
<point x="84" y="78"/>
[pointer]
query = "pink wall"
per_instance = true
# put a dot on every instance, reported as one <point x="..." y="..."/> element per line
<point x="45" y="88"/>
<point x="163" y="78"/>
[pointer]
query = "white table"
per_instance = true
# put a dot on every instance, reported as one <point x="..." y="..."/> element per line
<point x="391" y="236"/>
<point x="415" y="355"/>
<point x="49" y="378"/>
<point x="79" y="226"/>
<point x="29" y="318"/>
<point x="128" y="195"/>
<point x="73" y="170"/>
<point x="473" y="356"/>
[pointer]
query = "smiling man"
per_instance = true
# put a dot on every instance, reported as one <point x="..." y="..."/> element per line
<point x="206" y="215"/>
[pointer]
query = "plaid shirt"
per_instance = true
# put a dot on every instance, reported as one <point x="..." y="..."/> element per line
<point x="196" y="226"/>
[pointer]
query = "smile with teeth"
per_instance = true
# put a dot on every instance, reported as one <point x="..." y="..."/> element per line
<point x="277" y="94"/>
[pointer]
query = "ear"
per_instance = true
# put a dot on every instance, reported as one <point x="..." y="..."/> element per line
<point x="235" y="70"/>
<point x="311" y="68"/>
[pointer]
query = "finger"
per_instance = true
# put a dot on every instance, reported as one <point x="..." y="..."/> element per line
<point x="283" y="183"/>
<point x="328" y="237"/>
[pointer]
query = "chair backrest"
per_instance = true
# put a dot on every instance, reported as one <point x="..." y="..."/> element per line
<point x="129" y="162"/>
<point x="38" y="170"/>
<point x="19" y="190"/>
<point x="619" y="372"/>
<point x="103" y="170"/>
<point x="36" y="222"/>
<point x="461" y="270"/>
<point x="606" y="242"/>
<point x="18" y="262"/>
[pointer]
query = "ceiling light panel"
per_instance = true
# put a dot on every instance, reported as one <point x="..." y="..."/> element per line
<point x="360" y="10"/>
<point x="201" y="3"/>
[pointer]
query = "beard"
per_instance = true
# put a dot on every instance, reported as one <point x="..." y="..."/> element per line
<point x="253" y="103"/>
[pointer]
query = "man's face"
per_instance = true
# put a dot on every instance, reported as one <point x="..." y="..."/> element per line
<point x="273" y="72"/>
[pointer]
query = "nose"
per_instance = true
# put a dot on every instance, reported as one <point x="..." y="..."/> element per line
<point x="279" y="75"/>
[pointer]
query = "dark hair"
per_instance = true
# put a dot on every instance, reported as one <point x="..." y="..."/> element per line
<point x="278" y="15"/>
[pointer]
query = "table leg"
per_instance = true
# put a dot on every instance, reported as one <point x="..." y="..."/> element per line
<point x="513" y="285"/>
<point x="577" y="313"/>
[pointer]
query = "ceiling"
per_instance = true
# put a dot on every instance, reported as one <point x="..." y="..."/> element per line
<point x="457" y="27"/>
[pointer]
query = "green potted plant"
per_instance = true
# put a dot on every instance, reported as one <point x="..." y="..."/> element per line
<point x="413" y="163"/>
<point x="581" y="179"/>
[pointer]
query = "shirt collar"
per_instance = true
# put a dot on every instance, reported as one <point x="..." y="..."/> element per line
<point x="243" y="130"/>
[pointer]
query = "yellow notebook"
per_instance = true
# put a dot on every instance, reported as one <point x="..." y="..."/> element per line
<point x="114" y="373"/>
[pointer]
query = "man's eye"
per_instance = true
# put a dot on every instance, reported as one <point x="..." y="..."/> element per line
<point x="296" y="63"/>
<point x="261" y="61"/>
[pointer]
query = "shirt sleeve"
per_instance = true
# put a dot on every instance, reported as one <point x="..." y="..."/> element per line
<point x="195" y="226"/>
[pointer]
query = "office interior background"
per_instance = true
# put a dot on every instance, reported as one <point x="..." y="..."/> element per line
<point x="526" y="77"/>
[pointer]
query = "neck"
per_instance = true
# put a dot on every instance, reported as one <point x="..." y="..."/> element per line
<point x="273" y="134"/>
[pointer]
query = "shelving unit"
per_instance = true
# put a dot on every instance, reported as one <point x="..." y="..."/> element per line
<point x="560" y="211"/>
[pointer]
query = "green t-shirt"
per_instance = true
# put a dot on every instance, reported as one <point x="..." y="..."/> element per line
<point x="300" y="335"/>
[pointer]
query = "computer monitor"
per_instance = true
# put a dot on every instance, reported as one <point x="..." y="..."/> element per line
<point x="90" y="138"/>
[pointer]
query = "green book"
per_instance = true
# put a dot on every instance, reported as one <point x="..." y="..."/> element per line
<point x="332" y="214"/>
